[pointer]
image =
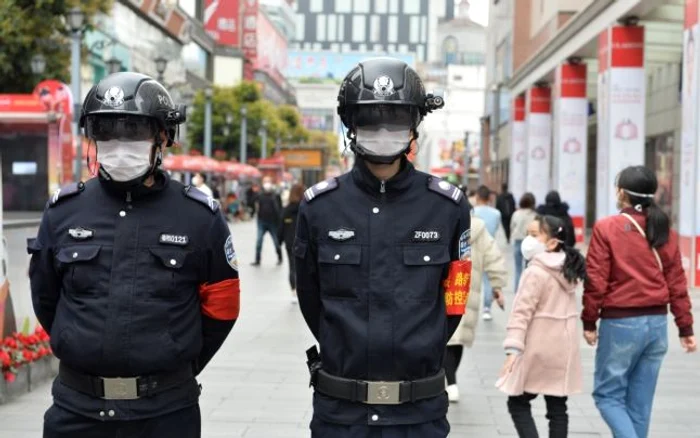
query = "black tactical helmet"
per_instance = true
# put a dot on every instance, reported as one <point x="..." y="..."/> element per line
<point x="384" y="81"/>
<point x="130" y="94"/>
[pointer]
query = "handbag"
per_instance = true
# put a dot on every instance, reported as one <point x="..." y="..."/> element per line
<point x="641" y="231"/>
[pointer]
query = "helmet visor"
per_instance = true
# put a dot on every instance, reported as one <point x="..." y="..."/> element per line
<point x="368" y="116"/>
<point x="120" y="127"/>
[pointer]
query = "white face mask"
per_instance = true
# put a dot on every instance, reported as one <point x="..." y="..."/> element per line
<point x="124" y="161"/>
<point x="197" y="181"/>
<point x="267" y="187"/>
<point x="383" y="142"/>
<point x="531" y="247"/>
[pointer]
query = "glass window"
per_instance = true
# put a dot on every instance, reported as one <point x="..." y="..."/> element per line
<point x="403" y="48"/>
<point x="424" y="29"/>
<point x="420" y="53"/>
<point x="414" y="29"/>
<point x="393" y="28"/>
<point x="335" y="47"/>
<point x="393" y="6"/>
<point x="378" y="48"/>
<point x="375" y="29"/>
<point x="317" y="46"/>
<point x="381" y="6"/>
<point x="331" y="25"/>
<point x="411" y="6"/>
<point x="345" y="47"/>
<point x="195" y="59"/>
<point x="315" y="5"/>
<point x="300" y="26"/>
<point x="320" y="27"/>
<point x="341" y="28"/>
<point x="391" y="48"/>
<point x="361" y="6"/>
<point x="189" y="6"/>
<point x="342" y="6"/>
<point x="358" y="28"/>
<point x="362" y="47"/>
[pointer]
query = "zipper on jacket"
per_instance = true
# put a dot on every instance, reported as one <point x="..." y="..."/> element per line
<point x="382" y="187"/>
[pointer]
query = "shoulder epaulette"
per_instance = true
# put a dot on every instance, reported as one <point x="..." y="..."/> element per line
<point x="446" y="189"/>
<point x="66" y="192"/>
<point x="199" y="196"/>
<point x="318" y="189"/>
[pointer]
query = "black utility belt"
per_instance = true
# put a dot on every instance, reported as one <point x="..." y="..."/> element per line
<point x="123" y="388"/>
<point x="380" y="393"/>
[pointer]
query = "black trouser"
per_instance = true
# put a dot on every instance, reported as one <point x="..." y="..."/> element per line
<point x="453" y="356"/>
<point x="61" y="423"/>
<point x="519" y="408"/>
<point x="292" y="267"/>
<point x="432" y="429"/>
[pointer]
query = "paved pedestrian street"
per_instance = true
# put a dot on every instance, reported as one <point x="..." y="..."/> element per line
<point x="257" y="385"/>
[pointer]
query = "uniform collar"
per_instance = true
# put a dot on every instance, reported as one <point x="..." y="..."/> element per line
<point x="161" y="182"/>
<point x="371" y="184"/>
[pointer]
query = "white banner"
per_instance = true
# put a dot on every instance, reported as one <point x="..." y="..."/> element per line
<point x="602" y="188"/>
<point x="518" y="160"/>
<point x="572" y="133"/>
<point x="539" y="145"/>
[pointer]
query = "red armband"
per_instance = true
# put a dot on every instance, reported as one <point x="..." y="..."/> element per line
<point x="221" y="300"/>
<point x="456" y="287"/>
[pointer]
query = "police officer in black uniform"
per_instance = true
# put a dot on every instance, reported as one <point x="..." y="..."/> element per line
<point x="133" y="275"/>
<point x="383" y="264"/>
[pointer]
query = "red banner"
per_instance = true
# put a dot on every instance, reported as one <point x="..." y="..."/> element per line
<point x="519" y="108"/>
<point x="249" y="42"/>
<point x="20" y="103"/>
<point x="221" y="20"/>
<point x="540" y="100"/>
<point x="691" y="13"/>
<point x="627" y="46"/>
<point x="57" y="98"/>
<point x="572" y="80"/>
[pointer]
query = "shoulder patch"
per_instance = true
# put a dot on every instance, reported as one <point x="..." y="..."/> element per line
<point x="66" y="192"/>
<point x="445" y="189"/>
<point x="320" y="188"/>
<point x="199" y="196"/>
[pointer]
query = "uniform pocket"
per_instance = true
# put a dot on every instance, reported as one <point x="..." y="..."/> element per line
<point x="80" y="267"/>
<point x="424" y="266"/>
<point x="340" y="269"/>
<point x="169" y="270"/>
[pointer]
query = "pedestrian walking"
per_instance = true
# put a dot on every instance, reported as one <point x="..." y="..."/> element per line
<point x="505" y="203"/>
<point x="492" y="221"/>
<point x="382" y="268"/>
<point x="553" y="206"/>
<point x="287" y="232"/>
<point x="542" y="344"/>
<point x="133" y="275"/>
<point x="486" y="259"/>
<point x="269" y="208"/>
<point x="634" y="273"/>
<point x="522" y="218"/>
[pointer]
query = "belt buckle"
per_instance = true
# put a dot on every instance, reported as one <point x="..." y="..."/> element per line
<point x="120" y="388"/>
<point x="383" y="393"/>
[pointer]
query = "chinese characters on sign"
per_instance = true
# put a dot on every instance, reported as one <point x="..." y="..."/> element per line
<point x="456" y="287"/>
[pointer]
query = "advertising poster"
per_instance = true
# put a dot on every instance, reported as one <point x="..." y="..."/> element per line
<point x="571" y="137"/>
<point x="602" y="188"/>
<point x="625" y="84"/>
<point x="249" y="38"/>
<point x="539" y="141"/>
<point x="271" y="53"/>
<point x="221" y="21"/>
<point x="518" y="155"/>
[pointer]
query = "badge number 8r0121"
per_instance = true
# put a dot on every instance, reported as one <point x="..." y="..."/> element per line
<point x="456" y="286"/>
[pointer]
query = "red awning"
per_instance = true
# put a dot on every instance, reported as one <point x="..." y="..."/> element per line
<point x="189" y="163"/>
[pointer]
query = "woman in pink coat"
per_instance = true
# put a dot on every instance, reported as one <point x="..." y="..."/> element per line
<point x="542" y="344"/>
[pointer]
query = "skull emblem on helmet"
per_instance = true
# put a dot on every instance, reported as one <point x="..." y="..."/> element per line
<point x="383" y="86"/>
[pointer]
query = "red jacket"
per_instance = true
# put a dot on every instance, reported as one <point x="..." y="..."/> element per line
<point x="624" y="278"/>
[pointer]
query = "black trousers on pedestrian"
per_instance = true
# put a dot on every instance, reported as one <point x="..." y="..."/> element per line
<point x="521" y="413"/>
<point x="453" y="356"/>
<point x="292" y="267"/>
<point x="433" y="429"/>
<point x="62" y="423"/>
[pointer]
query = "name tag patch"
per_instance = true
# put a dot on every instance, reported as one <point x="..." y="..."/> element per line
<point x="174" y="239"/>
<point x="426" y="236"/>
<point x="465" y="247"/>
<point x="81" y="233"/>
<point x="341" y="234"/>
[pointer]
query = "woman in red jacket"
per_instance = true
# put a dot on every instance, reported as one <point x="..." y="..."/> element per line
<point x="634" y="273"/>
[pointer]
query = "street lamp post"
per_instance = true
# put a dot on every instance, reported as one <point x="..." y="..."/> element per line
<point x="38" y="64"/>
<point x="244" y="135"/>
<point x="263" y="138"/>
<point x="75" y="20"/>
<point x="278" y="145"/>
<point x="161" y="65"/>
<point x="114" y="65"/>
<point x="208" y="94"/>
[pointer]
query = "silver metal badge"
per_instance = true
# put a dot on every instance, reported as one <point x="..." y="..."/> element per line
<point x="114" y="97"/>
<point x="444" y="185"/>
<point x="81" y="233"/>
<point x="341" y="234"/>
<point x="383" y="86"/>
<point x="174" y="239"/>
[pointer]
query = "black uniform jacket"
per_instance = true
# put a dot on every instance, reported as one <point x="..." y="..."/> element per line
<point x="371" y="259"/>
<point x="133" y="284"/>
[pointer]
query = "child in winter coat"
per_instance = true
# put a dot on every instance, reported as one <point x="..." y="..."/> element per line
<point x="542" y="342"/>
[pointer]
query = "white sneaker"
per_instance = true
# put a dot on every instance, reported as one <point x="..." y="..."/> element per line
<point x="487" y="316"/>
<point x="452" y="393"/>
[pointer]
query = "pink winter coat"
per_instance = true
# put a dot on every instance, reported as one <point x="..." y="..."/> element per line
<point x="544" y="326"/>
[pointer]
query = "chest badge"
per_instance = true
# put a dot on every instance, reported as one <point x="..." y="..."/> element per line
<point x="426" y="236"/>
<point x="341" y="234"/>
<point x="81" y="233"/>
<point x="174" y="239"/>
